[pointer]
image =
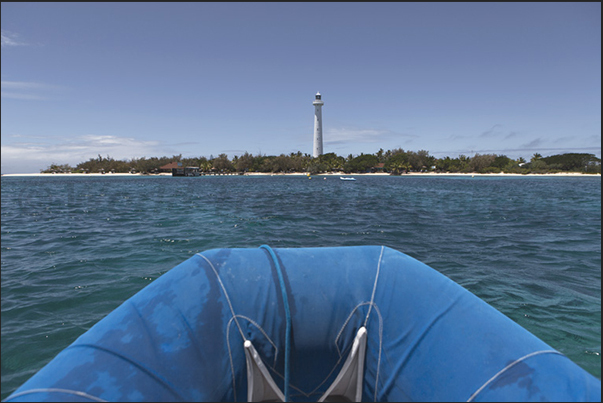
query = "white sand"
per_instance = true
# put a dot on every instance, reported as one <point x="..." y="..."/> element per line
<point x="92" y="174"/>
<point x="305" y="174"/>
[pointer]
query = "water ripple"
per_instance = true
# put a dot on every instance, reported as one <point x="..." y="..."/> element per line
<point x="75" y="248"/>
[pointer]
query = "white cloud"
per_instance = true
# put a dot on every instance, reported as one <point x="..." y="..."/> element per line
<point x="24" y="90"/>
<point x="10" y="39"/>
<point x="20" y="85"/>
<point x="537" y="142"/>
<point x="334" y="136"/>
<point x="494" y="131"/>
<point x="27" y="97"/>
<point x="32" y="156"/>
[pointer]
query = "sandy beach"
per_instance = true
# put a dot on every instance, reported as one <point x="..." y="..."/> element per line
<point x="419" y="174"/>
<point x="109" y="175"/>
<point x="94" y="174"/>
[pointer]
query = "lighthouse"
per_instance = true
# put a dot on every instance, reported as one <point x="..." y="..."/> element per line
<point x="317" y="150"/>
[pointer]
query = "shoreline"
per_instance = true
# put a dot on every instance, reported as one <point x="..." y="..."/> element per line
<point x="567" y="174"/>
<point x="572" y="174"/>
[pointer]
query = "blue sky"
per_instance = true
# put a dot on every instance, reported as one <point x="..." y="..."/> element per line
<point x="199" y="79"/>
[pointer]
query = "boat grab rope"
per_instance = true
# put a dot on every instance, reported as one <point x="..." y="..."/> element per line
<point x="234" y="317"/>
<point x="287" y="317"/>
<point x="374" y="286"/>
<point x="225" y="294"/>
<point x="499" y="373"/>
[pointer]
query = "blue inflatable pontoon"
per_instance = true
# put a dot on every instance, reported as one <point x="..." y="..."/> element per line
<point x="364" y="323"/>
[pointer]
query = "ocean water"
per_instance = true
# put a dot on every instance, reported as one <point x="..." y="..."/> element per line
<point x="74" y="248"/>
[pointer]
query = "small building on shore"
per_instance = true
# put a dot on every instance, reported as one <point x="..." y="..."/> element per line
<point x="185" y="171"/>
<point x="170" y="166"/>
<point x="177" y="169"/>
<point x="379" y="167"/>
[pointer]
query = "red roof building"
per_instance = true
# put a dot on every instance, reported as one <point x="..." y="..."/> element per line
<point x="170" y="166"/>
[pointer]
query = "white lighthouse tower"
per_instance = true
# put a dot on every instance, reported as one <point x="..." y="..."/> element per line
<point x="317" y="150"/>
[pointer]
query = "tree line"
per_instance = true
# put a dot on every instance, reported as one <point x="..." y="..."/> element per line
<point x="395" y="162"/>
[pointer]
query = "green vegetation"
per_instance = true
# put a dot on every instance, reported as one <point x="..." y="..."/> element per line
<point x="395" y="162"/>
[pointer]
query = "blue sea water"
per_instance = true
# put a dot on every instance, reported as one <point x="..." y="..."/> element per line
<point x="74" y="248"/>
